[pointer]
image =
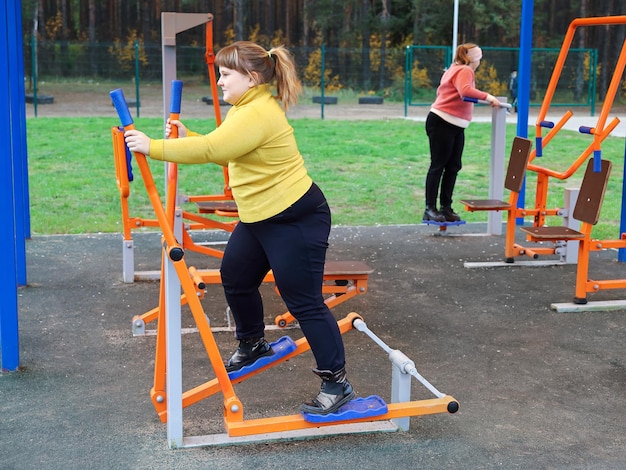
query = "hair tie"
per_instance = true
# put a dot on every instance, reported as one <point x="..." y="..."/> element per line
<point x="269" y="54"/>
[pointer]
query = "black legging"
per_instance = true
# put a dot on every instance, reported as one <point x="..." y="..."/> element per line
<point x="446" y="148"/>
<point x="293" y="244"/>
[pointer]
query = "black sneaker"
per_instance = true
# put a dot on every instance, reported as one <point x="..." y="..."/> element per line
<point x="431" y="213"/>
<point x="249" y="351"/>
<point x="335" y="392"/>
<point x="449" y="215"/>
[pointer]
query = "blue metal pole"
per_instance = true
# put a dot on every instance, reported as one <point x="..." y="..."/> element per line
<point x="523" y="72"/>
<point x="18" y="137"/>
<point x="621" y="253"/>
<point x="523" y="79"/>
<point x="9" y="341"/>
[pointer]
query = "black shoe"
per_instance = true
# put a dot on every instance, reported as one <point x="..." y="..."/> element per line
<point x="431" y="213"/>
<point x="449" y="215"/>
<point x="335" y="392"/>
<point x="249" y="351"/>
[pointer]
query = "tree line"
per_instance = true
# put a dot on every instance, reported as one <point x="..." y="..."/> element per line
<point x="355" y="24"/>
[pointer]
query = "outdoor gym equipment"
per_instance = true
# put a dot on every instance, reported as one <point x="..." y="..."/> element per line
<point x="343" y="280"/>
<point x="215" y="211"/>
<point x="496" y="167"/>
<point x="568" y="241"/>
<point x="361" y="415"/>
<point x="124" y="176"/>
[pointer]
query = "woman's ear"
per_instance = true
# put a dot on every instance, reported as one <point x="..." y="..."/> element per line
<point x="254" y="79"/>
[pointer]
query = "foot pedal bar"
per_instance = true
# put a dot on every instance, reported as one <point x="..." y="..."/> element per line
<point x="397" y="358"/>
<point x="443" y="224"/>
<point x="281" y="348"/>
<point x="355" y="409"/>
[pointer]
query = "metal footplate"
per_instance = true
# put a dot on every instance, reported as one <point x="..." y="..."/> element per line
<point x="443" y="224"/>
<point x="281" y="348"/>
<point x="354" y="409"/>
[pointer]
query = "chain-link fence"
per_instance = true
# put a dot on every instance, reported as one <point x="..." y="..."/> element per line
<point x="408" y="75"/>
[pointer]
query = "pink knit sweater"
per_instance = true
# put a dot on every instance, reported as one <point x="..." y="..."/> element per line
<point x="456" y="83"/>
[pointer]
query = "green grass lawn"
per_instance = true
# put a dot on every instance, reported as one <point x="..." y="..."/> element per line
<point x="371" y="171"/>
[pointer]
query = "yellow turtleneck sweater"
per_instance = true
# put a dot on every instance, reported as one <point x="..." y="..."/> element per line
<point x="266" y="170"/>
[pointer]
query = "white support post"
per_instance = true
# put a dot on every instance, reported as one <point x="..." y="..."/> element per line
<point x="571" y="250"/>
<point x="400" y="393"/>
<point x="173" y="347"/>
<point x="173" y="354"/>
<point x="496" y="165"/>
<point x="128" y="261"/>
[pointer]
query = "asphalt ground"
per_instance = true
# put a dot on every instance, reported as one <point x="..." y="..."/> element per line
<point x="537" y="388"/>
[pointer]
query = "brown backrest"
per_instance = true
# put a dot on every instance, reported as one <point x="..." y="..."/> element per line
<point x="518" y="161"/>
<point x="591" y="193"/>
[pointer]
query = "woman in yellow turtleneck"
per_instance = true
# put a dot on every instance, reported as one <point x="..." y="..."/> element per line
<point x="284" y="217"/>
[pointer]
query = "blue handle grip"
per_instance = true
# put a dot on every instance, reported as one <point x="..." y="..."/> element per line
<point x="177" y="93"/>
<point x="585" y="129"/>
<point x="471" y="100"/>
<point x="597" y="161"/>
<point x="538" y="147"/>
<point x="117" y="96"/>
<point x="547" y="124"/>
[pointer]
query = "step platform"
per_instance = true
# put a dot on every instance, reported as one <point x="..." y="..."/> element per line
<point x="443" y="224"/>
<point x="281" y="347"/>
<point x="355" y="409"/>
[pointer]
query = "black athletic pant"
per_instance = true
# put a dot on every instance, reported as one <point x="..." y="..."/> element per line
<point x="446" y="148"/>
<point x="293" y="244"/>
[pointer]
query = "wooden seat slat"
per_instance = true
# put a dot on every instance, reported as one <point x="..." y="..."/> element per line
<point x="209" y="207"/>
<point x="553" y="233"/>
<point x="485" y="204"/>
<point x="338" y="268"/>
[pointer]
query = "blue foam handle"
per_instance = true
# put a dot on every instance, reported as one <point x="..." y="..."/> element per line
<point x="547" y="124"/>
<point x="585" y="129"/>
<point x="129" y="163"/>
<point x="471" y="100"/>
<point x="597" y="161"/>
<point x="538" y="147"/>
<point x="177" y="93"/>
<point x="117" y="96"/>
<point x="354" y="409"/>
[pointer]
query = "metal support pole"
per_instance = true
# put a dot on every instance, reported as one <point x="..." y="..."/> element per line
<point x="173" y="350"/>
<point x="496" y="165"/>
<point x="171" y="25"/>
<point x="128" y="261"/>
<point x="571" y="247"/>
<point x="402" y="370"/>
<point x="12" y="180"/>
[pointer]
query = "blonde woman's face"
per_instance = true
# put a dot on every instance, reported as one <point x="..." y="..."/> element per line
<point x="234" y="84"/>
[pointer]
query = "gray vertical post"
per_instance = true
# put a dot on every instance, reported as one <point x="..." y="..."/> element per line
<point x="400" y="393"/>
<point x="571" y="250"/>
<point x="173" y="356"/>
<point x="172" y="24"/>
<point x="496" y="165"/>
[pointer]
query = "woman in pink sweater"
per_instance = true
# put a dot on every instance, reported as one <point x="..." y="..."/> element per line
<point x="446" y="122"/>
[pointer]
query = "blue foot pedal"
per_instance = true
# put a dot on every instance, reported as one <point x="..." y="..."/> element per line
<point x="443" y="224"/>
<point x="354" y="409"/>
<point x="281" y="348"/>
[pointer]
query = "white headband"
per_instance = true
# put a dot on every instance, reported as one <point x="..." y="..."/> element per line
<point x="474" y="54"/>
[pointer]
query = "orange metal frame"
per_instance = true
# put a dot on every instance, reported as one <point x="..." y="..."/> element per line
<point x="234" y="422"/>
<point x="340" y="287"/>
<point x="196" y="222"/>
<point x="540" y="211"/>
